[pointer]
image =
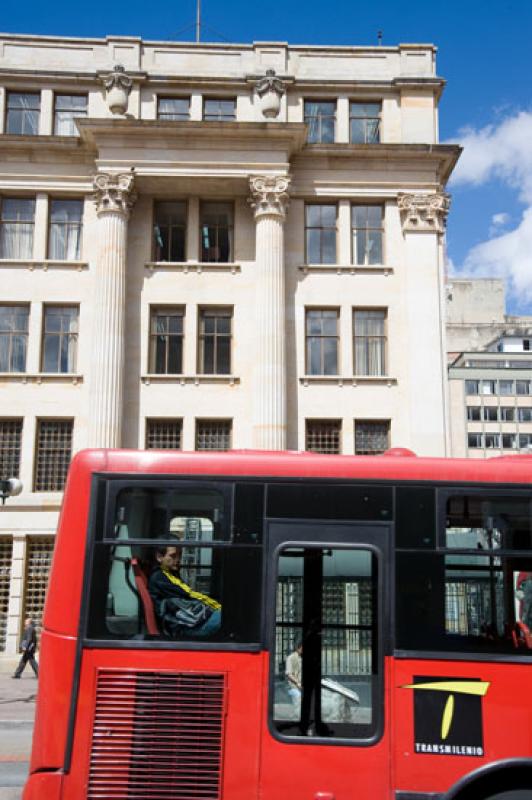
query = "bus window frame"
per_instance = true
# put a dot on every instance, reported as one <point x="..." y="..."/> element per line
<point x="384" y="620"/>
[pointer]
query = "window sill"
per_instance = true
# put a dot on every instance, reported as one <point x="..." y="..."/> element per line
<point x="193" y="266"/>
<point x="348" y="269"/>
<point x="45" y="265"/>
<point x="194" y="380"/>
<point x="40" y="377"/>
<point x="356" y="380"/>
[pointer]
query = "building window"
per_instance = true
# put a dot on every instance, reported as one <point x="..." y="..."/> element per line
<point x="473" y="413"/>
<point x="219" y="109"/>
<point x="492" y="441"/>
<point x="213" y="434"/>
<point x="215" y="333"/>
<point x="10" y="447"/>
<point x="13" y="338"/>
<point x="488" y="387"/>
<point x="371" y="437"/>
<point x="474" y="440"/>
<point x="364" y="123"/>
<point x="23" y="111"/>
<point x="522" y="387"/>
<point x="216" y="232"/>
<point x="525" y="441"/>
<point x="369" y="341"/>
<point x="60" y="339"/>
<point x="64" y="241"/>
<point x="164" y="434"/>
<point x="16" y="228"/>
<point x="507" y="413"/>
<point x="509" y="441"/>
<point x="67" y="108"/>
<point x="39" y="552"/>
<point x="490" y="414"/>
<point x="323" y="436"/>
<point x="54" y="451"/>
<point x="367" y="234"/>
<point x="320" y="234"/>
<point x="321" y="329"/>
<point x="169" y="231"/>
<point x="166" y="341"/>
<point x="525" y="414"/>
<point x="173" y="108"/>
<point x="320" y="116"/>
<point x="506" y="387"/>
<point x="471" y="387"/>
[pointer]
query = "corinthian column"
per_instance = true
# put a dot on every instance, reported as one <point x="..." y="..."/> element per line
<point x="269" y="199"/>
<point x="113" y="197"/>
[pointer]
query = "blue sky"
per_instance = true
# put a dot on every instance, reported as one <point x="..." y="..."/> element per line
<point x="484" y="54"/>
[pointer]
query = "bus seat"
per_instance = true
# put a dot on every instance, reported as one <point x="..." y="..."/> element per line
<point x="123" y="599"/>
<point x="141" y="582"/>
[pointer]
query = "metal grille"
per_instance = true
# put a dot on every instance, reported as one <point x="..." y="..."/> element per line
<point x="163" y="434"/>
<point x="38" y="562"/>
<point x="157" y="736"/>
<point x="371" y="438"/>
<point x="54" y="451"/>
<point x="323" y="436"/>
<point x="213" y="434"/>
<point x="6" y="555"/>
<point x="10" y="444"/>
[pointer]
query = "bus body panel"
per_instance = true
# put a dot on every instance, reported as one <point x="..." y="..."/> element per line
<point x="44" y="786"/>
<point x="504" y="715"/>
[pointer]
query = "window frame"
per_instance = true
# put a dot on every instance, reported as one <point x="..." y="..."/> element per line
<point x="327" y="423"/>
<point x="319" y="117"/>
<point x="67" y="226"/>
<point x="72" y="337"/>
<point x="227" y="421"/>
<point x="16" y="444"/>
<point x="16" y="222"/>
<point x="370" y="340"/>
<point x="82" y="113"/>
<point x="219" y="116"/>
<point x="322" y="338"/>
<point x="216" y="312"/>
<point x="39" y="422"/>
<point x="365" y="421"/>
<point x="24" y="334"/>
<point x="165" y="311"/>
<point x="366" y="231"/>
<point x="230" y="229"/>
<point x="24" y="113"/>
<point x="366" y="119"/>
<point x="322" y="228"/>
<point x="172" y="117"/>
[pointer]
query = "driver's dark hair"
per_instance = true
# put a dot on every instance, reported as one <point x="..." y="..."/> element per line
<point x="162" y="543"/>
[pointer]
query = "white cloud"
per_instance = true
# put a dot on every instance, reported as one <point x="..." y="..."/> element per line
<point x="501" y="152"/>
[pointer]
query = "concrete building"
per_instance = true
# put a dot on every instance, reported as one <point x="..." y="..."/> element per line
<point x="210" y="246"/>
<point x="490" y="371"/>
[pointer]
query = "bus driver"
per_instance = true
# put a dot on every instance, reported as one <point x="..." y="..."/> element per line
<point x="181" y="611"/>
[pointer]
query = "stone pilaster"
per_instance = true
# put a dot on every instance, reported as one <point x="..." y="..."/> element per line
<point x="269" y="199"/>
<point x="114" y="198"/>
<point x="424" y="212"/>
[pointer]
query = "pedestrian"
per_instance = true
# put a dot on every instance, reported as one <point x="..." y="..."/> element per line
<point x="28" y="646"/>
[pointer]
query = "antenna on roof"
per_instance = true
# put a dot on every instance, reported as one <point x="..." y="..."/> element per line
<point x="198" y="19"/>
<point x="379" y="37"/>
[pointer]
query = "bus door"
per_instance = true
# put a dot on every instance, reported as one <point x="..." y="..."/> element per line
<point x="328" y="636"/>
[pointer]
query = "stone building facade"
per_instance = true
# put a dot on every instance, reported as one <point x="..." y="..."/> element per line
<point x="211" y="246"/>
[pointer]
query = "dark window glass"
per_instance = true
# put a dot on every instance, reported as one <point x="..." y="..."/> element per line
<point x="13" y="338"/>
<point x="322" y="341"/>
<point x="16" y="228"/>
<point x="23" y="111"/>
<point x="166" y="341"/>
<point x="67" y="108"/>
<point x="60" y="338"/>
<point x="525" y="414"/>
<point x="509" y="441"/>
<point x="367" y="232"/>
<point x="325" y="658"/>
<point x="488" y="522"/>
<point x="169" y="231"/>
<point x="364" y="123"/>
<point x="522" y="387"/>
<point x="471" y="387"/>
<point x="249" y="512"/>
<point x="474" y="440"/>
<point x="215" y="341"/>
<point x="490" y="413"/>
<point x="173" y="108"/>
<point x="219" y="109"/>
<point x="315" y="501"/>
<point x="473" y="413"/>
<point x="216" y="232"/>
<point x="320" y="234"/>
<point x="415" y="517"/>
<point x="320" y="116"/>
<point x="64" y="240"/>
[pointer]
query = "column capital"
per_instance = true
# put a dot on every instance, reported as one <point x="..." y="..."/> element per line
<point x="424" y="212"/>
<point x="114" y="193"/>
<point x="269" y="195"/>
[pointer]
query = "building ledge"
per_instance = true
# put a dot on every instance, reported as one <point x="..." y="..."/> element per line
<point x="193" y="266"/>
<point x="41" y="377"/>
<point x="347" y="269"/>
<point x="194" y="380"/>
<point x="45" y="265"/>
<point x="356" y="380"/>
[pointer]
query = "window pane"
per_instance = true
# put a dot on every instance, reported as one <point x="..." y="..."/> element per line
<point x="330" y="356"/>
<point x="313" y="246"/>
<point x="328" y="247"/>
<point x="325" y="665"/>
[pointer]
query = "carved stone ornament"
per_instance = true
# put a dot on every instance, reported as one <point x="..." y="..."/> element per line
<point x="269" y="195"/>
<point x="118" y="86"/>
<point x="424" y="212"/>
<point x="270" y="89"/>
<point x="114" y="193"/>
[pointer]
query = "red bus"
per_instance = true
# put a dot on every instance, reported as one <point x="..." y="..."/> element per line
<point x="341" y="628"/>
